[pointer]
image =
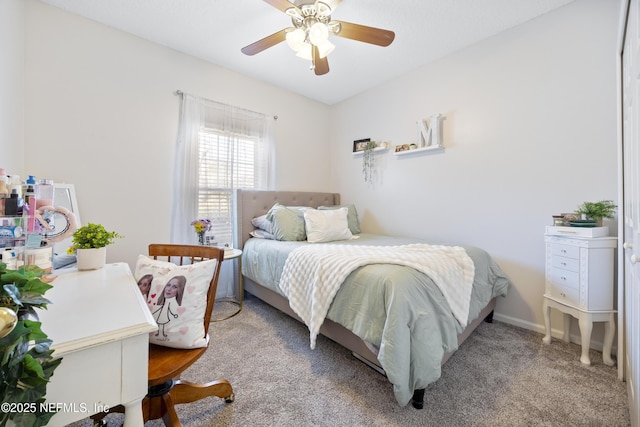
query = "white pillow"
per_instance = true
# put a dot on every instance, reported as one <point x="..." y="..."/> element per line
<point x="179" y="314"/>
<point x="327" y="226"/>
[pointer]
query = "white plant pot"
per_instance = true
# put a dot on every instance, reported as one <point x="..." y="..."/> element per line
<point x="91" y="259"/>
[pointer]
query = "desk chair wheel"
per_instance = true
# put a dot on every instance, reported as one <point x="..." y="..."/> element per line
<point x="230" y="398"/>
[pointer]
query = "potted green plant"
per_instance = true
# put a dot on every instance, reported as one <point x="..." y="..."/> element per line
<point x="89" y="244"/>
<point x="368" y="161"/>
<point x="26" y="362"/>
<point x="597" y="210"/>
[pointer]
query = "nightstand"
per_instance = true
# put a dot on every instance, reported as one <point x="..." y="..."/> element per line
<point x="231" y="254"/>
<point x="579" y="282"/>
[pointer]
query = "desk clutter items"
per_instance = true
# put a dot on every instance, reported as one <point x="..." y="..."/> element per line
<point x="586" y="221"/>
<point x="27" y="226"/>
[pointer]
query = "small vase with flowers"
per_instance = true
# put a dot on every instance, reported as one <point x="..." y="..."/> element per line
<point x="201" y="226"/>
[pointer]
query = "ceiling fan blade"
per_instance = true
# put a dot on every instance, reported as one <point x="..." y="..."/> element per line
<point x="265" y="43"/>
<point x="365" y="34"/>
<point x="281" y="5"/>
<point x="320" y="65"/>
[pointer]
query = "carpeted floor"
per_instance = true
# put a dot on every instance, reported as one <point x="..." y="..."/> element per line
<point x="501" y="376"/>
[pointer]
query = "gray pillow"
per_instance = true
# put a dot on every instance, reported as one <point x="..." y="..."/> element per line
<point x="352" y="217"/>
<point x="262" y="223"/>
<point x="287" y="222"/>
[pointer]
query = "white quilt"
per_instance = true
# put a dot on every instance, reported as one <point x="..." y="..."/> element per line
<point x="313" y="274"/>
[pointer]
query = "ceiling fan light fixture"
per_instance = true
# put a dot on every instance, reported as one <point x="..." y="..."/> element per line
<point x="305" y="52"/>
<point x="308" y="9"/>
<point x="318" y="33"/>
<point x="296" y="39"/>
<point x="334" y="27"/>
<point x="325" y="48"/>
<point x="294" y="12"/>
<point x="309" y="34"/>
<point x="323" y="9"/>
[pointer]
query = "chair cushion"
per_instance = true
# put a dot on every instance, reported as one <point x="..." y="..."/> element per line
<point x="177" y="299"/>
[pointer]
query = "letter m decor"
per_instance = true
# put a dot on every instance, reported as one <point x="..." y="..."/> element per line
<point x="430" y="131"/>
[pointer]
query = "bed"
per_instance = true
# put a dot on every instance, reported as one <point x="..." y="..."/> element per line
<point x="392" y="317"/>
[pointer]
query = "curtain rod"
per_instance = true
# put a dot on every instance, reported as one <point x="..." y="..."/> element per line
<point x="180" y="93"/>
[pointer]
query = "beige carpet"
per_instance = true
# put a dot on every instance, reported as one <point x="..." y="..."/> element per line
<point x="501" y="376"/>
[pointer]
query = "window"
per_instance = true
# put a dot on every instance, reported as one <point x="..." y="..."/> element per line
<point x="226" y="162"/>
<point x="219" y="149"/>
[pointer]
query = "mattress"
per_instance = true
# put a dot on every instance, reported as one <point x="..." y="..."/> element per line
<point x="396" y="308"/>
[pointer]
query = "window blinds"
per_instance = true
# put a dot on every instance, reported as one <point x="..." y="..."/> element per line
<point x="227" y="161"/>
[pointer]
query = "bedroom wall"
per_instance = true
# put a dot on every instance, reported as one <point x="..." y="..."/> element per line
<point x="12" y="18"/>
<point x="530" y="131"/>
<point x="101" y="113"/>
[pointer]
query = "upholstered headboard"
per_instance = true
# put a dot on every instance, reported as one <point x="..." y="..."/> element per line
<point x="252" y="203"/>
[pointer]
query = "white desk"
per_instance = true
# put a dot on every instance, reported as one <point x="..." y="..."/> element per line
<point x="99" y="324"/>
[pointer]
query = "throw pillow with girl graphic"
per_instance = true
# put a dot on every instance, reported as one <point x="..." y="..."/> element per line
<point x="177" y="299"/>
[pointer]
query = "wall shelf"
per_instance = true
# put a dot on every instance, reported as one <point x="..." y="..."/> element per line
<point x="375" y="150"/>
<point x="419" y="150"/>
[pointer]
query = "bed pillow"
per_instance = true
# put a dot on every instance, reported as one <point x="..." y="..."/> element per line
<point x="261" y="234"/>
<point x="180" y="308"/>
<point x="327" y="225"/>
<point x="262" y="223"/>
<point x="287" y="222"/>
<point x="352" y="217"/>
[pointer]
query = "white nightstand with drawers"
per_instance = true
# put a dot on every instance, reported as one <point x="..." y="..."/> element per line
<point x="579" y="283"/>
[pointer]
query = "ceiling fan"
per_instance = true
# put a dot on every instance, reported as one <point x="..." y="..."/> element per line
<point x="309" y="35"/>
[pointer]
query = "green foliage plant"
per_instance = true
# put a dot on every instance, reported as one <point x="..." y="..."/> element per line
<point x="92" y="236"/>
<point x="26" y="362"/>
<point x="368" y="161"/>
<point x="597" y="210"/>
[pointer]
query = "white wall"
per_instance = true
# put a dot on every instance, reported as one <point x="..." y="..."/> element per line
<point x="12" y="21"/>
<point x="530" y="131"/>
<point x="101" y="113"/>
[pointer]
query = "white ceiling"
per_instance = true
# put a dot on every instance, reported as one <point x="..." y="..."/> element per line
<point x="216" y="30"/>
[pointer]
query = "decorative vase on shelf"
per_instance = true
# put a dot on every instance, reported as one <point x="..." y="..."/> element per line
<point x="91" y="259"/>
<point x="201" y="238"/>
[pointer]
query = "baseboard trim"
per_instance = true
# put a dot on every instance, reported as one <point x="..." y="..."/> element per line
<point x="555" y="333"/>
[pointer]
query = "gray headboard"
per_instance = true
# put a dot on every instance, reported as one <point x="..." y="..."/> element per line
<point x="252" y="203"/>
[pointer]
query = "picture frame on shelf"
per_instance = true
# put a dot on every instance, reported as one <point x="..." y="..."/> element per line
<point x="360" y="144"/>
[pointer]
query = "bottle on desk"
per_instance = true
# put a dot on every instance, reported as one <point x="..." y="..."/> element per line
<point x="29" y="208"/>
<point x="15" y="184"/>
<point x="4" y="190"/>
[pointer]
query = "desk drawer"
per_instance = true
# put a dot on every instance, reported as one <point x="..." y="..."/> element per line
<point x="565" y="251"/>
<point x="86" y="382"/>
<point x="565" y="263"/>
<point x="564" y="295"/>
<point x="565" y="278"/>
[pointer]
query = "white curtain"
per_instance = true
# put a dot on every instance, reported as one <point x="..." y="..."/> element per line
<point x="198" y="115"/>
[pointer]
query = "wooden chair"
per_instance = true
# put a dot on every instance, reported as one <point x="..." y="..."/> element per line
<point x="166" y="389"/>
